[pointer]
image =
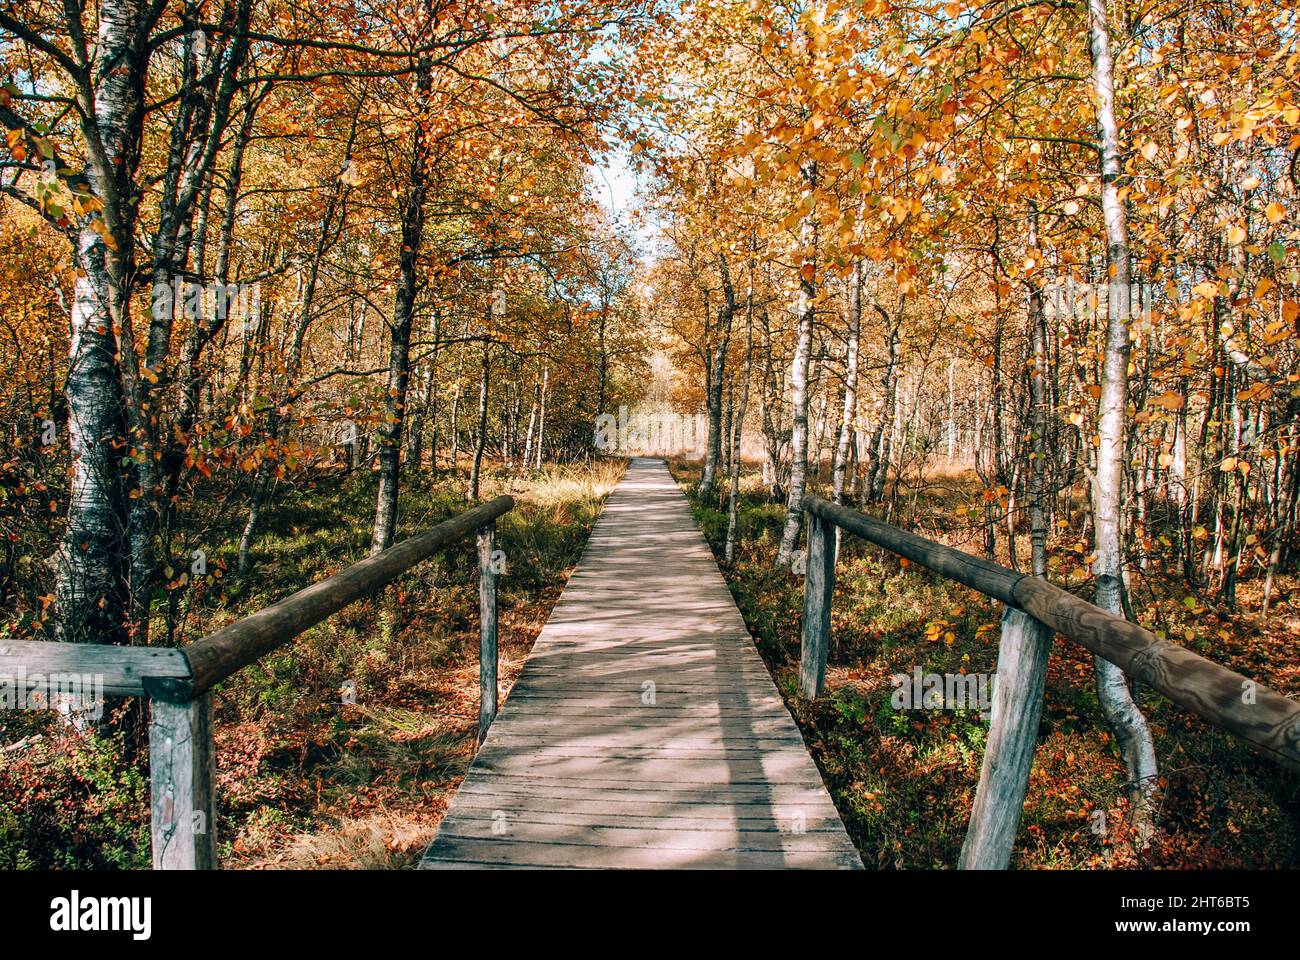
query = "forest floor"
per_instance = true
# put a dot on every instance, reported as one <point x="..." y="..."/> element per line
<point x="904" y="780"/>
<point x="305" y="779"/>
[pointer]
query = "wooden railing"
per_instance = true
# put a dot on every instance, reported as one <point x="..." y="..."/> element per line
<point x="179" y="680"/>
<point x="1035" y="609"/>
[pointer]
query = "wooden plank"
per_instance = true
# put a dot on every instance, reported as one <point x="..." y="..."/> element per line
<point x="600" y="808"/>
<point x="646" y="737"/>
<point x="455" y="850"/>
<point x="720" y="753"/>
<point x="673" y="835"/>
<point x="644" y="731"/>
<point x="773" y="766"/>
<point x="665" y="699"/>
<point x="27" y="665"/>
<point x="611" y="811"/>
<point x="531" y="716"/>
<point x="689" y="820"/>
<point x="750" y="790"/>
<point x="589" y="668"/>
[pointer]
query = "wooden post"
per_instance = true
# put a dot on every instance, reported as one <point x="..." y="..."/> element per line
<point x="1013" y="735"/>
<point x="182" y="779"/>
<point x="819" y="583"/>
<point x="487" y="609"/>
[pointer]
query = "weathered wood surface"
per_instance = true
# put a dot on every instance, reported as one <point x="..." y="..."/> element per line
<point x="182" y="774"/>
<point x="819" y="584"/>
<point x="1013" y="737"/>
<point x="30" y="664"/>
<point x="1262" y="718"/>
<point x="487" y="615"/>
<point x="644" y="731"/>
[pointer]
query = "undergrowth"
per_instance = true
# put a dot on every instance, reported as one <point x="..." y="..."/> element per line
<point x="904" y="780"/>
<point x="305" y="776"/>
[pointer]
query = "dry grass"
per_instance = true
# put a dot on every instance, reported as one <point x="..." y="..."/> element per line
<point x="564" y="484"/>
<point x="382" y="841"/>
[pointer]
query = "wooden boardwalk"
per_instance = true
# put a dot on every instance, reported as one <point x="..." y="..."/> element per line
<point x="644" y="731"/>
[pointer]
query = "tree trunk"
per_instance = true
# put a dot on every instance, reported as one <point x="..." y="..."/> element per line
<point x="1132" y="735"/>
<point x="399" y="352"/>
<point x="799" y="376"/>
<point x="771" y="431"/>
<point x="92" y="562"/>
<point x="717" y="373"/>
<point x="878" y="466"/>
<point x="738" y="426"/>
<point x="849" y="412"/>
<point x="480" y="441"/>
<point x="541" y="415"/>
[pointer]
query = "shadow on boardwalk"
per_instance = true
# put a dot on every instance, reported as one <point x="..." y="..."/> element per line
<point x="644" y="731"/>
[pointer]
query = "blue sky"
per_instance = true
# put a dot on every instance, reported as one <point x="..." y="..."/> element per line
<point x="615" y="185"/>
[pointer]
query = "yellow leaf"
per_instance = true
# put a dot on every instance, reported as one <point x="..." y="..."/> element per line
<point x="1274" y="211"/>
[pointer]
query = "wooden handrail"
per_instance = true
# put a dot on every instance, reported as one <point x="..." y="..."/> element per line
<point x="218" y="655"/>
<point x="1264" y="719"/>
<point x="179" y="680"/>
<point x="983" y="575"/>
